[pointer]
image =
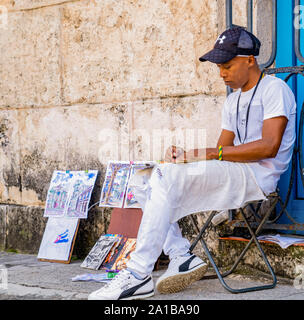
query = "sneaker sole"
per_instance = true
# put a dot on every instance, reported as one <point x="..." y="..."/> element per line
<point x="181" y="281"/>
<point x="139" y="297"/>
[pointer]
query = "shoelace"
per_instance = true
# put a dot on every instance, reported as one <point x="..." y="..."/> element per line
<point x="117" y="280"/>
<point x="181" y="257"/>
<point x="176" y="258"/>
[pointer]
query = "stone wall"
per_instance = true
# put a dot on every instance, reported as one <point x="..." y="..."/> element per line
<point x="82" y="82"/>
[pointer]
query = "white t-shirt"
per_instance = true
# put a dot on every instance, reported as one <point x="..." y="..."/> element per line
<point x="273" y="98"/>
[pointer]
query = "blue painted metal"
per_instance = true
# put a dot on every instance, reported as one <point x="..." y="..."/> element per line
<point x="272" y="57"/>
<point x="286" y="56"/>
<point x="288" y="51"/>
<point x="299" y="49"/>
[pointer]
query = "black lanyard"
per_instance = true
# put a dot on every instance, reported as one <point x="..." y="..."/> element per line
<point x="247" y="116"/>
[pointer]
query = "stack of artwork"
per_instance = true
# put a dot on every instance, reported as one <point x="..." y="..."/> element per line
<point x="67" y="201"/>
<point x="110" y="252"/>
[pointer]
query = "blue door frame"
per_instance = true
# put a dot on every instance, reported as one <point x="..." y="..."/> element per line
<point x="286" y="56"/>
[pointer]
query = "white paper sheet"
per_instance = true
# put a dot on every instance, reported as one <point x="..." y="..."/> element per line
<point x="282" y="241"/>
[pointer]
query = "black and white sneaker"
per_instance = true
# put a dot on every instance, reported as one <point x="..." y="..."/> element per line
<point x="125" y="287"/>
<point x="182" y="271"/>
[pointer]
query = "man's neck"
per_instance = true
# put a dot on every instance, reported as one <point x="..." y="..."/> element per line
<point x="253" y="80"/>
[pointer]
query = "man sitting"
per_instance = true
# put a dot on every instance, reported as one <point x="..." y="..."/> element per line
<point x="253" y="150"/>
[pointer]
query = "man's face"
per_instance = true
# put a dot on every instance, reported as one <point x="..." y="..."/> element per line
<point x="235" y="72"/>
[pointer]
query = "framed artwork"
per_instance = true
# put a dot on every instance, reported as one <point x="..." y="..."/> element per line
<point x="58" y="239"/>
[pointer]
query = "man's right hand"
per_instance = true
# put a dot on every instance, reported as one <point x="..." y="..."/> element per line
<point x="172" y="153"/>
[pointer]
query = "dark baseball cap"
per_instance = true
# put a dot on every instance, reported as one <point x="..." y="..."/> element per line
<point x="233" y="42"/>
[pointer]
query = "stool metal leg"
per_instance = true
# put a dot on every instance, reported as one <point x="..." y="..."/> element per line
<point x="221" y="276"/>
<point x="200" y="232"/>
<point x="251" y="240"/>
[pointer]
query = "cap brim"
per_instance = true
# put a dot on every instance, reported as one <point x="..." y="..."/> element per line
<point x="217" y="56"/>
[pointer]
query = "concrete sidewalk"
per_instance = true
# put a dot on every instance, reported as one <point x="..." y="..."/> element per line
<point x="30" y="279"/>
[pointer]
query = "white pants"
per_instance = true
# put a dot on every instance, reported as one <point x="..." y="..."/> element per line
<point x="176" y="190"/>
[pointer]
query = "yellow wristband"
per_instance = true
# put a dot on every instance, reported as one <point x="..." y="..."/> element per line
<point x="220" y="153"/>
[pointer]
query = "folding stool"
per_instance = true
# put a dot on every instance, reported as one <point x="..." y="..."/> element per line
<point x="253" y="238"/>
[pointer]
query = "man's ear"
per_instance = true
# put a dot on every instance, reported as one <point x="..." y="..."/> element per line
<point x="251" y="61"/>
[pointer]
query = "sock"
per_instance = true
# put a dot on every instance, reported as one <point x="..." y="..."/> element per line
<point x="188" y="254"/>
<point x="136" y="275"/>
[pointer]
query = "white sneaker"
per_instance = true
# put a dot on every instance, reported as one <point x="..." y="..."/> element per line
<point x="124" y="287"/>
<point x="182" y="271"/>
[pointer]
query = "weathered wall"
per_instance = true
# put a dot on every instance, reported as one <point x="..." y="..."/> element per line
<point x="82" y="82"/>
<point x="70" y="70"/>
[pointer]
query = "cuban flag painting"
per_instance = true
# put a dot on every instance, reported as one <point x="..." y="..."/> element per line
<point x="58" y="239"/>
<point x="63" y="237"/>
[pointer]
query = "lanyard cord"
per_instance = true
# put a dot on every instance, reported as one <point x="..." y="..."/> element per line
<point x="247" y="115"/>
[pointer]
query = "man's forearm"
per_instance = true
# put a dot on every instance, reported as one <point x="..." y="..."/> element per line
<point x="248" y="152"/>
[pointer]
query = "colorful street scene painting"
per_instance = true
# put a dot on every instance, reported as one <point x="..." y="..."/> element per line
<point x="139" y="174"/>
<point x="124" y="256"/>
<point x="69" y="193"/>
<point x="116" y="191"/>
<point x="115" y="183"/>
<point x="81" y="194"/>
<point x="58" y="192"/>
<point x="114" y="252"/>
